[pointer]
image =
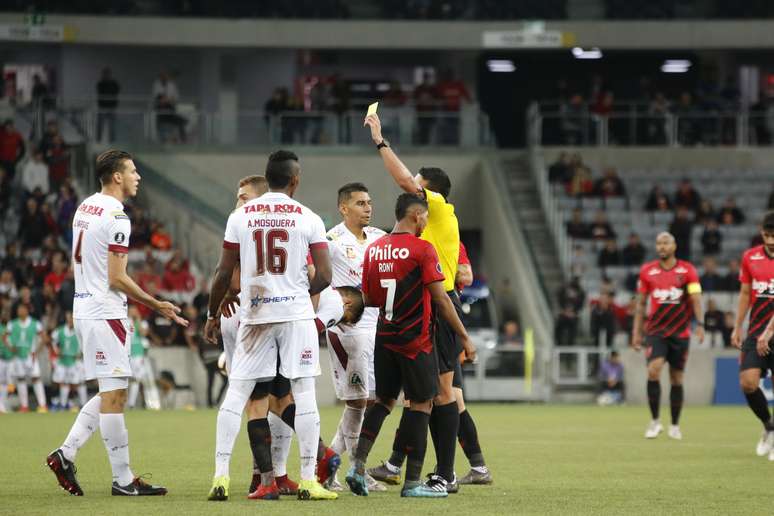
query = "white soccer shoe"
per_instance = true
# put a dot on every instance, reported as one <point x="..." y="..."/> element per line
<point x="765" y="445"/>
<point x="654" y="428"/>
<point x="374" y="485"/>
<point x="675" y="433"/>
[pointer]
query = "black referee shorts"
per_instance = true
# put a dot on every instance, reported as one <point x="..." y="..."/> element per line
<point x="393" y="371"/>
<point x="446" y="345"/>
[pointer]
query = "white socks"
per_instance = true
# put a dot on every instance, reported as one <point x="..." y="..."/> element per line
<point x="82" y="394"/>
<point x="3" y="397"/>
<point x="229" y="421"/>
<point x="116" y="438"/>
<point x="40" y="393"/>
<point x="307" y="425"/>
<point x="134" y="390"/>
<point x="24" y="394"/>
<point x="349" y="429"/>
<point x="85" y="425"/>
<point x="281" y="436"/>
<point x="64" y="395"/>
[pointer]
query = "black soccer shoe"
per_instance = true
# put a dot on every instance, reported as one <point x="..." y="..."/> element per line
<point x="138" y="487"/>
<point x="65" y="472"/>
<point x="453" y="487"/>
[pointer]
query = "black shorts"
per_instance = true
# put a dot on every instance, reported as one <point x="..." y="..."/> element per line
<point x="445" y="342"/>
<point x="457" y="380"/>
<point x="750" y="359"/>
<point x="418" y="377"/>
<point x="673" y="349"/>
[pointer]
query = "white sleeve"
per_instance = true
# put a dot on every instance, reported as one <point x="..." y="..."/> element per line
<point x="119" y="231"/>
<point x="330" y="308"/>
<point x="232" y="235"/>
<point x="316" y="233"/>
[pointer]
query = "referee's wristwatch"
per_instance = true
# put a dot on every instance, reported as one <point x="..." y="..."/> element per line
<point x="383" y="143"/>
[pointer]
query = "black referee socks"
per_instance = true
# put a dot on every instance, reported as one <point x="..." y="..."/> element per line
<point x="444" y="426"/>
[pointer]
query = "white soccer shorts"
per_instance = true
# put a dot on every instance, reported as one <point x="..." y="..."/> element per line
<point x="259" y="346"/>
<point x="228" y="331"/>
<point x="5" y="372"/>
<point x="25" y="368"/>
<point x="72" y="375"/>
<point x="105" y="347"/>
<point x="352" y="363"/>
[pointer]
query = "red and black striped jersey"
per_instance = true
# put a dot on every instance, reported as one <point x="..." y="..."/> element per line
<point x="670" y="311"/>
<point x="758" y="271"/>
<point x="396" y="271"/>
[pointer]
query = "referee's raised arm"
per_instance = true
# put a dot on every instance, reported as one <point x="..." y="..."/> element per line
<point x="399" y="172"/>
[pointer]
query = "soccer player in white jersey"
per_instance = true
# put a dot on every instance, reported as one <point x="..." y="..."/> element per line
<point x="270" y="237"/>
<point x="101" y="232"/>
<point x="351" y="348"/>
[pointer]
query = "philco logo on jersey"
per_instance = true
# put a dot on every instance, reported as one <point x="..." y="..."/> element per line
<point x="272" y="208"/>
<point x="258" y="300"/>
<point x="388" y="253"/>
<point x="88" y="209"/>
<point x="763" y="288"/>
<point x="668" y="295"/>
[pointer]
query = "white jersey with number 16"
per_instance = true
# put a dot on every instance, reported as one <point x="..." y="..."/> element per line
<point x="99" y="226"/>
<point x="274" y="234"/>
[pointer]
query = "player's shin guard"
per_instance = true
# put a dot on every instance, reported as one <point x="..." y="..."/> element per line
<point x="86" y="423"/>
<point x="676" y="402"/>
<point x="307" y="425"/>
<point x="116" y="439"/>
<point x="372" y="423"/>
<point x="446" y="420"/>
<point x="229" y="420"/>
<point x="281" y="435"/>
<point x="414" y="427"/>
<point x="654" y="397"/>
<point x="399" y="444"/>
<point x="468" y="438"/>
<point x="760" y="407"/>
<point x="260" y="443"/>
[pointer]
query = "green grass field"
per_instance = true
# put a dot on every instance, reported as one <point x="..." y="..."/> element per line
<point x="546" y="460"/>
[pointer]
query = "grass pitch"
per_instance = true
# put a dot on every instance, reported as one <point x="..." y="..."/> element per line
<point x="545" y="460"/>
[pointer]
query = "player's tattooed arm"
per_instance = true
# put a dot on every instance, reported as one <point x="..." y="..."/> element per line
<point x="741" y="312"/>
<point x="639" y="314"/>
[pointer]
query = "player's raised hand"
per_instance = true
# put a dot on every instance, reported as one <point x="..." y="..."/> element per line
<point x="372" y="121"/>
<point x="636" y="341"/>
<point x="736" y="338"/>
<point x="170" y="311"/>
<point x="470" y="350"/>
<point x="211" y="330"/>
<point x="228" y="307"/>
<point x="762" y="345"/>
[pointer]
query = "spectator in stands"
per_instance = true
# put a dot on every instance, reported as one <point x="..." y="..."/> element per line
<point x="609" y="255"/>
<point x="705" y="213"/>
<point x="511" y="334"/>
<point x="658" y="113"/>
<point x="570" y="300"/>
<point x="681" y="228"/>
<point x="66" y="205"/>
<point x="208" y="353"/>
<point x="395" y="97"/>
<point x="580" y="184"/>
<point x="634" y="252"/>
<point x="609" y="185"/>
<point x="177" y="278"/>
<point x="714" y="323"/>
<point x="711" y="238"/>
<point x="601" y="229"/>
<point x="34" y="175"/>
<point x="730" y="214"/>
<point x="731" y="279"/>
<point x="728" y="328"/>
<point x="426" y="102"/>
<point x="58" y="273"/>
<point x="141" y="228"/>
<point x="576" y="227"/>
<point x="687" y="127"/>
<point x="611" y="375"/>
<point x="5" y="191"/>
<point x="41" y="99"/>
<point x="657" y="199"/>
<point x="108" y="90"/>
<point x="559" y="171"/>
<point x="32" y="229"/>
<point x="578" y="261"/>
<point x="711" y="280"/>
<point x="51" y="132"/>
<point x="11" y="147"/>
<point x="603" y="319"/>
<point x="452" y="93"/>
<point x="687" y="196"/>
<point x="574" y="118"/>
<point x="170" y="125"/>
<point x="8" y="285"/>
<point x="160" y="239"/>
<point x="58" y="158"/>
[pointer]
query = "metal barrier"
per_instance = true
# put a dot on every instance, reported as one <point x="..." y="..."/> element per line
<point x="576" y="366"/>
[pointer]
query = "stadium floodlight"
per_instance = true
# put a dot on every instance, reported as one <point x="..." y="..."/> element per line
<point x="676" y="66"/>
<point x="591" y="53"/>
<point x="501" y="65"/>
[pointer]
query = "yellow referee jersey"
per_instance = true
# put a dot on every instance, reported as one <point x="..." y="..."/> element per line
<point x="443" y="233"/>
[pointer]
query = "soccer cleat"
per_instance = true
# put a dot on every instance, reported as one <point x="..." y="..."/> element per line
<point x="312" y="490"/>
<point x="654" y="428"/>
<point x="475" y="477"/>
<point x="219" y="490"/>
<point x="328" y="465"/>
<point x="766" y="444"/>
<point x="453" y="487"/>
<point x="254" y="483"/>
<point x="436" y="482"/>
<point x="42" y="409"/>
<point x="675" y="433"/>
<point x="265" y="492"/>
<point x="65" y="472"/>
<point x="24" y="410"/>
<point x="423" y="491"/>
<point x="374" y="486"/>
<point x="386" y="474"/>
<point x="357" y="482"/>
<point x="286" y="486"/>
<point x="138" y="487"/>
<point x="334" y="485"/>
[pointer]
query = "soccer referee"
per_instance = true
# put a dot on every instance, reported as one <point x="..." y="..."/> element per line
<point x="442" y="231"/>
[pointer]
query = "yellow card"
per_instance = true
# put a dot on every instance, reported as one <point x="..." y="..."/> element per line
<point x="372" y="109"/>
